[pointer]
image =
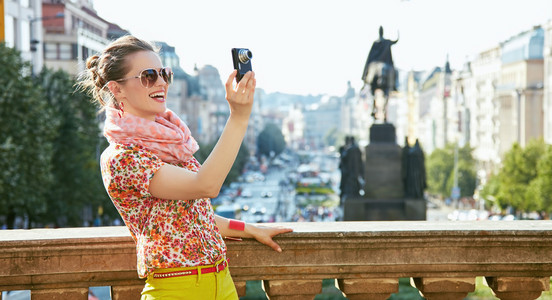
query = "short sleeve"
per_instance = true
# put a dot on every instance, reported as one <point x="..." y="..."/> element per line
<point x="129" y="172"/>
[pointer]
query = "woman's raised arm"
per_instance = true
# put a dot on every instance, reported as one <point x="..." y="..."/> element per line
<point x="171" y="182"/>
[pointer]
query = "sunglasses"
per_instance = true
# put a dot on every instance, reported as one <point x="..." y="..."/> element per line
<point x="148" y="77"/>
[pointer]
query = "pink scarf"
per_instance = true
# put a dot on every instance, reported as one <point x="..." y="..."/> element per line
<point x="167" y="137"/>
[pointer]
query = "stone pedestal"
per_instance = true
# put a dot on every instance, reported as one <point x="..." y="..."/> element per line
<point x="383" y="198"/>
<point x="369" y="209"/>
<point x="382" y="169"/>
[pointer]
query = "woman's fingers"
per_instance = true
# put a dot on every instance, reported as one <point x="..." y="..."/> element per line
<point x="268" y="233"/>
<point x="240" y="97"/>
<point x="252" y="82"/>
<point x="230" y="80"/>
<point x="229" y="86"/>
<point x="280" y="230"/>
<point x="244" y="84"/>
<point x="272" y="244"/>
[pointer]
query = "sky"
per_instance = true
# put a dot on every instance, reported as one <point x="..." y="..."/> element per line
<point x="317" y="46"/>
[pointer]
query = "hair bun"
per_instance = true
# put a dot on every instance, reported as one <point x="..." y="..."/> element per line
<point x="92" y="62"/>
<point x="92" y="66"/>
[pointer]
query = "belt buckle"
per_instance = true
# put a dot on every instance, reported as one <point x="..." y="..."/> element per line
<point x="217" y="270"/>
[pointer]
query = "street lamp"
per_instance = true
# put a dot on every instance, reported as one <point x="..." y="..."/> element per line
<point x="35" y="41"/>
<point x="519" y="93"/>
<point x="31" y="21"/>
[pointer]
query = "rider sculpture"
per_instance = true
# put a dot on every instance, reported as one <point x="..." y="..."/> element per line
<point x="379" y="72"/>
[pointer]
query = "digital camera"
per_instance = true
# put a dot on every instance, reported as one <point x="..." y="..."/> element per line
<point x="241" y="57"/>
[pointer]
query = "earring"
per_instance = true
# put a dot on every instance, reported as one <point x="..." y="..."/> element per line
<point x="121" y="109"/>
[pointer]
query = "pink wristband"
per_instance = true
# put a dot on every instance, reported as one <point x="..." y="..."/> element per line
<point x="237" y="225"/>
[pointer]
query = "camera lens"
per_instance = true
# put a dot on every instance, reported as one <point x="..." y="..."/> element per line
<point x="244" y="55"/>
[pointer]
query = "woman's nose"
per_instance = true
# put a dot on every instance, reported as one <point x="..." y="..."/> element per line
<point x="160" y="80"/>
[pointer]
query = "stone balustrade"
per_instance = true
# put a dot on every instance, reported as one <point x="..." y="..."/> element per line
<point x="365" y="258"/>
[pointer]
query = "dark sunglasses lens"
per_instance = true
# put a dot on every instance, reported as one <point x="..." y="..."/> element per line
<point x="167" y="75"/>
<point x="148" y="77"/>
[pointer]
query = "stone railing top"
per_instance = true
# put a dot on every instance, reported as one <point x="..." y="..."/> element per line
<point x="316" y="230"/>
<point x="64" y="233"/>
<point x="410" y="228"/>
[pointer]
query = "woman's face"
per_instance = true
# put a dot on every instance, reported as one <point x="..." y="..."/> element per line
<point x="139" y="100"/>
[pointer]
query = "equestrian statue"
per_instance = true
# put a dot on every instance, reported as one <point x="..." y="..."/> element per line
<point x="379" y="72"/>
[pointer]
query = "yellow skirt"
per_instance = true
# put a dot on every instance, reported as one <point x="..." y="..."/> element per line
<point x="209" y="286"/>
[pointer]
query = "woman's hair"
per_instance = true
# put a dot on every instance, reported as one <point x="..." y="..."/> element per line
<point x="110" y="65"/>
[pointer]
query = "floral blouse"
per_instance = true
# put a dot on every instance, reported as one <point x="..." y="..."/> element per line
<point x="168" y="233"/>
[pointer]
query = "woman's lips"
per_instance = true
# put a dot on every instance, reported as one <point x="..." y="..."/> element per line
<point x="159" y="99"/>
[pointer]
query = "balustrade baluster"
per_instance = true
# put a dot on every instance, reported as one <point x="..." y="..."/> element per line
<point x="512" y="288"/>
<point x="124" y="292"/>
<point x="240" y="288"/>
<point x="292" y="289"/>
<point x="369" y="288"/>
<point x="445" y="288"/>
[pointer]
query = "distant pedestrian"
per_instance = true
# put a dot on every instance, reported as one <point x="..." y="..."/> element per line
<point x="160" y="190"/>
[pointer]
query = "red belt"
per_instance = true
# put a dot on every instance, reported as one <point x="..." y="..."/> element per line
<point x="216" y="268"/>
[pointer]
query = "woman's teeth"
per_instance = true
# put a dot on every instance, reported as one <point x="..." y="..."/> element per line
<point x="157" y="95"/>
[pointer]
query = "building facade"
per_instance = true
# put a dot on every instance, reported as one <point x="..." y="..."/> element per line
<point x="80" y="33"/>
<point x="211" y="87"/>
<point x="547" y="85"/>
<point x="293" y="128"/>
<point x="23" y="29"/>
<point x="480" y="95"/>
<point x="431" y="125"/>
<point x="320" y="120"/>
<point x="520" y="89"/>
<point x="58" y="34"/>
<point x="499" y="98"/>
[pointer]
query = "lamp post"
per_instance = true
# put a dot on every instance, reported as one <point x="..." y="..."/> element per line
<point x="519" y="93"/>
<point x="35" y="41"/>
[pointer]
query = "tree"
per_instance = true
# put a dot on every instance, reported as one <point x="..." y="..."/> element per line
<point x="523" y="177"/>
<point x="440" y="163"/>
<point x="440" y="171"/>
<point x="27" y="128"/>
<point x="491" y="188"/>
<point x="543" y="182"/>
<point x="270" y="141"/>
<point x="78" y="184"/>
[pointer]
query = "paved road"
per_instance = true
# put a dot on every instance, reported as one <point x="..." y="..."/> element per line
<point x="267" y="200"/>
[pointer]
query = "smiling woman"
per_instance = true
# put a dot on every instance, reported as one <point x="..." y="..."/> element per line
<point x="159" y="188"/>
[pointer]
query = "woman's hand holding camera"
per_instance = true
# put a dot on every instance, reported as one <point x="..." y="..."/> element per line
<point x="240" y="97"/>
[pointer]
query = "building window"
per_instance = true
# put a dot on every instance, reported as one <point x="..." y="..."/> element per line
<point x="75" y="51"/>
<point x="65" y="51"/>
<point x="50" y="51"/>
<point x="58" y="51"/>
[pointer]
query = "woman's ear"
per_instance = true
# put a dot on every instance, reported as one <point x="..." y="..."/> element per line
<point x="115" y="89"/>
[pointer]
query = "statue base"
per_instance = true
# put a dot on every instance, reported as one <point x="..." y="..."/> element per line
<point x="383" y="198"/>
<point x="369" y="209"/>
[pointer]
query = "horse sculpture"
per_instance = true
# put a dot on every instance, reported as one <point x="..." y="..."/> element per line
<point x="379" y="72"/>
